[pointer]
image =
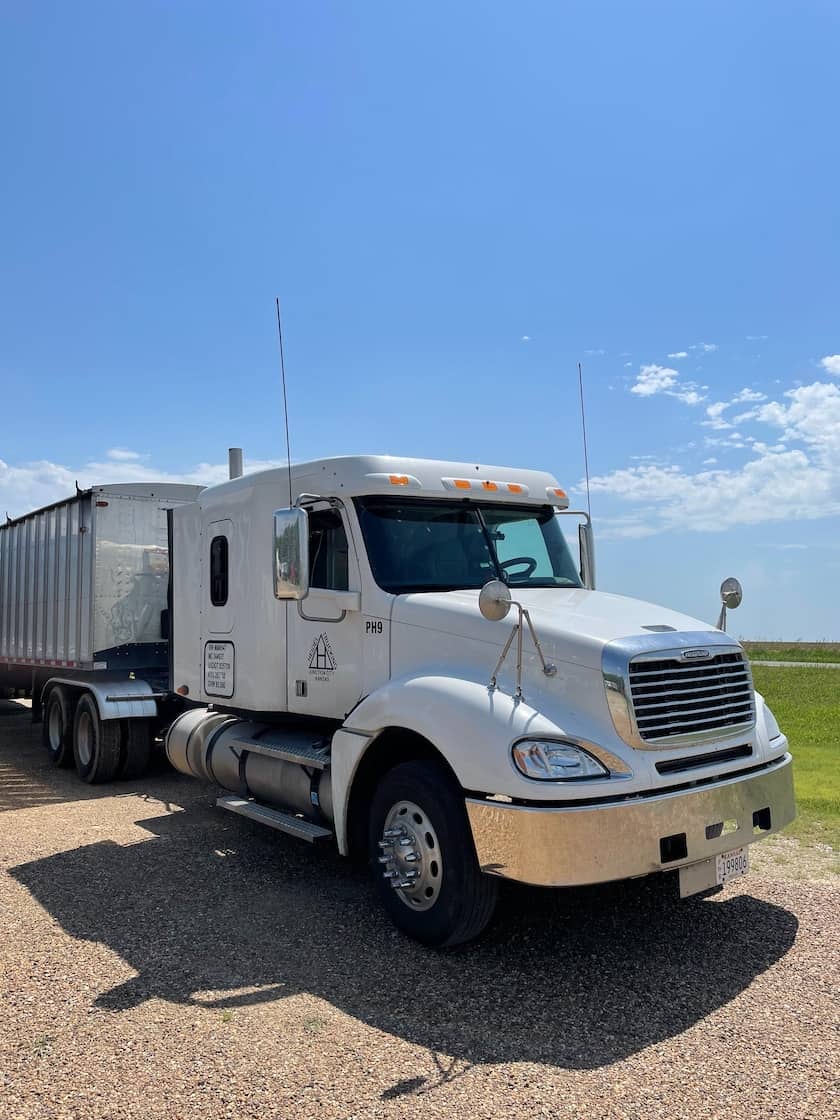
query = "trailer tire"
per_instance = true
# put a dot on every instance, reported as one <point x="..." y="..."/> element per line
<point x="450" y="900"/>
<point x="57" y="727"/>
<point x="96" y="743"/>
<point x="135" y="748"/>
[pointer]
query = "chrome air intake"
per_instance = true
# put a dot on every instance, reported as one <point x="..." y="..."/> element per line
<point x="697" y="689"/>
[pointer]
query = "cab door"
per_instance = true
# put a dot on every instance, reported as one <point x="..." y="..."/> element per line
<point x="324" y="649"/>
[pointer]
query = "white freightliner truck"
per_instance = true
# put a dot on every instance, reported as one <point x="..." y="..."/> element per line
<point x="403" y="658"/>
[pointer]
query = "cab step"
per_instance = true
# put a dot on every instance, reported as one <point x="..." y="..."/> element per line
<point x="298" y="748"/>
<point x="274" y="818"/>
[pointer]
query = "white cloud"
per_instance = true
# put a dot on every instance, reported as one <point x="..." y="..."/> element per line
<point x="715" y="420"/>
<point x="654" y="379"/>
<point x="688" y="396"/>
<point x="679" y="354"/>
<point x="707" y="347"/>
<point x="595" y="353"/>
<point x="525" y="338"/>
<point x="748" y="395"/>
<point x="32" y="485"/>
<point x="777" y="482"/>
<point x="831" y="364"/>
<point x="709" y="462"/>
<point x="122" y="455"/>
<point x="757" y="337"/>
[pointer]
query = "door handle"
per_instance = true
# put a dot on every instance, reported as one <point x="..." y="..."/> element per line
<point x="324" y="604"/>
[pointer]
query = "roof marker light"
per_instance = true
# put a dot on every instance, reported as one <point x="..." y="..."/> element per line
<point x="516" y="488"/>
<point x="557" y="497"/>
<point x="398" y="479"/>
<point x="486" y="485"/>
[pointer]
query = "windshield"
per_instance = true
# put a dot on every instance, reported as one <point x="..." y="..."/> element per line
<point x="420" y="545"/>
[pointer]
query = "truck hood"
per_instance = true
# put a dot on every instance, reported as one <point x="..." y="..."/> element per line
<point x="572" y="624"/>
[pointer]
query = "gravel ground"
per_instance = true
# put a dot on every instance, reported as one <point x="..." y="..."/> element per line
<point x="161" y="959"/>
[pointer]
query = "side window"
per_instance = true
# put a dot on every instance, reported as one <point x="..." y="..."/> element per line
<point x="219" y="571"/>
<point x="328" y="551"/>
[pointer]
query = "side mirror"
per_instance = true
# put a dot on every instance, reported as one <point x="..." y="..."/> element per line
<point x="731" y="595"/>
<point x="494" y="600"/>
<point x="586" y="540"/>
<point x="291" y="554"/>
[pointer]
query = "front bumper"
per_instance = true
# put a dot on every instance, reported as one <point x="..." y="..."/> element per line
<point x="572" y="846"/>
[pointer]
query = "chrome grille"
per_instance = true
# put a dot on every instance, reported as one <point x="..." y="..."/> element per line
<point x="675" y="700"/>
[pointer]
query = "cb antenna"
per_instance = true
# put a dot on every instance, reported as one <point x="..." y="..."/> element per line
<point x="585" y="451"/>
<point x="285" y="401"/>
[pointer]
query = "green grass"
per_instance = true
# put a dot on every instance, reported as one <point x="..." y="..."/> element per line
<point x="793" y="651"/>
<point x="806" y="702"/>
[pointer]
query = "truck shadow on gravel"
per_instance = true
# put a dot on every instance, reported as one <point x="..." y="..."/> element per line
<point x="216" y="913"/>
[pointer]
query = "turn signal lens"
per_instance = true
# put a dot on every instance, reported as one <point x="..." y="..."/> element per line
<point x="547" y="761"/>
<point x="398" y="479"/>
<point x="462" y="484"/>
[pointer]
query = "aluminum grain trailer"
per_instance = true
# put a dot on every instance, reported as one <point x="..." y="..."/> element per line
<point x="84" y="622"/>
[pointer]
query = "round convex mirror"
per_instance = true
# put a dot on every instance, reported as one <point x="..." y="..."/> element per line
<point x="494" y="600"/>
<point x="731" y="593"/>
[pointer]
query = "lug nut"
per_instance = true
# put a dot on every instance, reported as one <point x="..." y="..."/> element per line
<point x="411" y="857"/>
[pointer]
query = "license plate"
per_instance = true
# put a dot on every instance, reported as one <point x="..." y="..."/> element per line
<point x="731" y="865"/>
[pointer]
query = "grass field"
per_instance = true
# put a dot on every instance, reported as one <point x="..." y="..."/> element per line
<point x="806" y="702"/>
<point x="793" y="651"/>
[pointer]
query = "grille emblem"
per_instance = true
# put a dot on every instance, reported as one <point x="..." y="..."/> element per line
<point x="696" y="655"/>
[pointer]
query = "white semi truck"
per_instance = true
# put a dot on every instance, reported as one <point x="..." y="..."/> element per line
<point x="404" y="658"/>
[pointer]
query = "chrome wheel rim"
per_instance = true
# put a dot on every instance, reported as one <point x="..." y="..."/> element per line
<point x="84" y="739"/>
<point x="54" y="729"/>
<point x="410" y="856"/>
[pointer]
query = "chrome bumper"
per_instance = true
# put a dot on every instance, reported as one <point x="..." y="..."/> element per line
<point x="597" y="843"/>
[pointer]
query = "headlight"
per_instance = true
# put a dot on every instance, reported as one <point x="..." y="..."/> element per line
<point x="549" y="761"/>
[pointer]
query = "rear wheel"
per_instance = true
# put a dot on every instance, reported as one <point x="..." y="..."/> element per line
<point x="96" y="743"/>
<point x="136" y="747"/>
<point x="57" y="727"/>
<point x="423" y="857"/>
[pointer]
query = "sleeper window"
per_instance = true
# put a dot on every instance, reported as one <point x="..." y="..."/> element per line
<point x="219" y="571"/>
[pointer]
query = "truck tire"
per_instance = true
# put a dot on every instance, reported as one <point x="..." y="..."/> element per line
<point x="57" y="727"/>
<point x="430" y="885"/>
<point x="135" y="748"/>
<point x="96" y="743"/>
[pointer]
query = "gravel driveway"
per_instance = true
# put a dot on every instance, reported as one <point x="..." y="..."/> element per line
<point x="162" y="959"/>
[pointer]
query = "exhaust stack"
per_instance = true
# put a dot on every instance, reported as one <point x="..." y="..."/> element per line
<point x="235" y="462"/>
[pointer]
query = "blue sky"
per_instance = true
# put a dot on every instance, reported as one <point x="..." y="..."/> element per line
<point x="455" y="203"/>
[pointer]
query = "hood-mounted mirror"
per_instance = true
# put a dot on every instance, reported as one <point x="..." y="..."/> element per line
<point x="494" y="602"/>
<point x="731" y="594"/>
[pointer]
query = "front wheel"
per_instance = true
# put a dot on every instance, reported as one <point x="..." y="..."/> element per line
<point x="423" y="857"/>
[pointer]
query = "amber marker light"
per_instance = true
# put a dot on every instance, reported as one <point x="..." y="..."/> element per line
<point x="398" y="479"/>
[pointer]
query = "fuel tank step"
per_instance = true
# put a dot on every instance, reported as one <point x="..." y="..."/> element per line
<point x="297" y="749"/>
<point x="274" y="818"/>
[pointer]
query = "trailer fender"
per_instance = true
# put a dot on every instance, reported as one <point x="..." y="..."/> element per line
<point x="116" y="698"/>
